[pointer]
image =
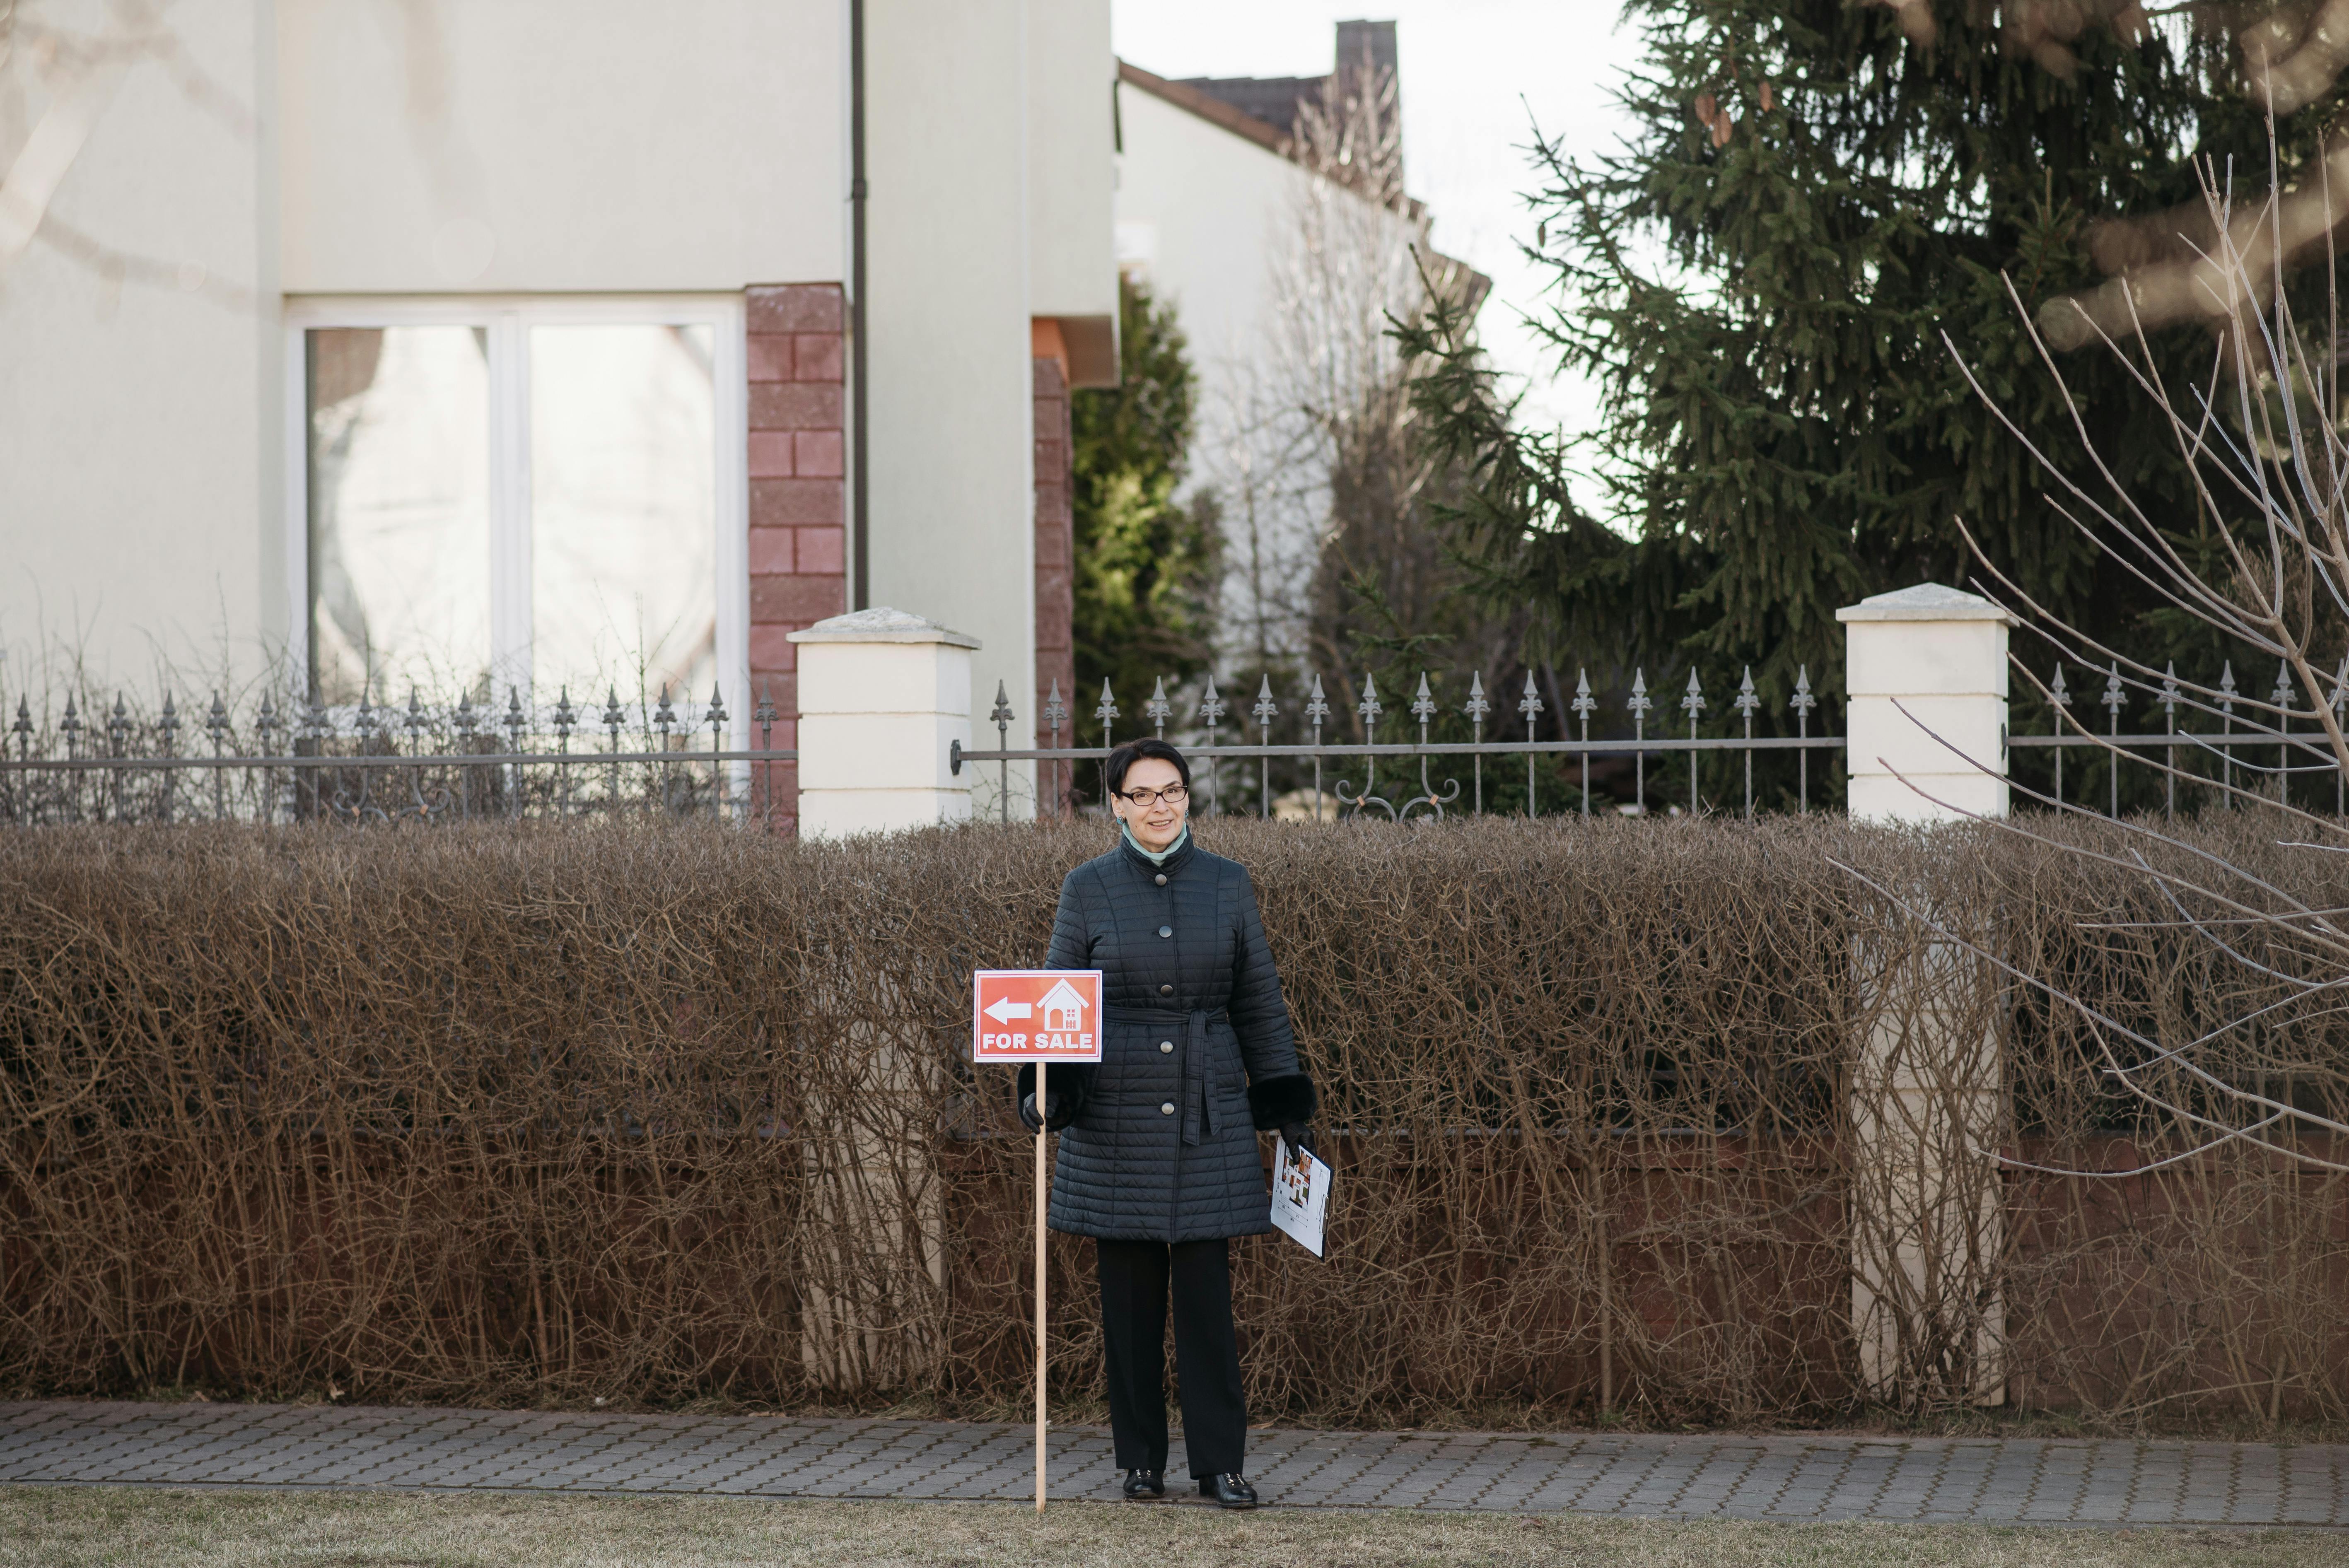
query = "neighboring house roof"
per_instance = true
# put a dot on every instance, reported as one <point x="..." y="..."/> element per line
<point x="1278" y="101"/>
<point x="1213" y="110"/>
<point x="1217" y="109"/>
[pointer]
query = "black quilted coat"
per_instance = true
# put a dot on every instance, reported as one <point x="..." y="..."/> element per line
<point x="1160" y="1139"/>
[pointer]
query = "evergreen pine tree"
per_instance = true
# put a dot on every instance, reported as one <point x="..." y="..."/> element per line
<point x="1760" y="281"/>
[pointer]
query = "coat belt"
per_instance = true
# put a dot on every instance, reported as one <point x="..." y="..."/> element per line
<point x="1198" y="1119"/>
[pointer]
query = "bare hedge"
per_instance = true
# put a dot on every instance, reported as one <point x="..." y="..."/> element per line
<point x="542" y="1114"/>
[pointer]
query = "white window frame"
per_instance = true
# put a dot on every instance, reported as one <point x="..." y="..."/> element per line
<point x="508" y="321"/>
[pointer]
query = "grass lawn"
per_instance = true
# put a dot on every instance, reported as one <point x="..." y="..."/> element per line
<point x="71" y="1527"/>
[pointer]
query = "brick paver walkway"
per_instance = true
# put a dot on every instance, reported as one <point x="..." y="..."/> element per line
<point x="1954" y="1479"/>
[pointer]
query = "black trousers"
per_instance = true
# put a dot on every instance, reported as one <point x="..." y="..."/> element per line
<point x="1134" y="1276"/>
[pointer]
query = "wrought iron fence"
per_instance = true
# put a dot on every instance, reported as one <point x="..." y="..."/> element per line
<point x="1057" y="781"/>
<point x="284" y="760"/>
<point x="271" y="758"/>
<point x="2212" y="750"/>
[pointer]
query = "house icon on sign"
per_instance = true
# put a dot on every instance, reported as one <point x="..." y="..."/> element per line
<point x="1062" y="1008"/>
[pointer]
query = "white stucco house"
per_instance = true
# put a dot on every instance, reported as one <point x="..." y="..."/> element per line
<point x="1218" y="207"/>
<point x="547" y="344"/>
<point x="568" y="347"/>
<point x="1207" y="187"/>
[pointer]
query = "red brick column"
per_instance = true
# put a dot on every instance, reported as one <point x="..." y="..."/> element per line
<point x="1055" y="650"/>
<point x="799" y="492"/>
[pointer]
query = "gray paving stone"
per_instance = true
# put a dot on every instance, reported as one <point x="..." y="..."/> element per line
<point x="1638" y="1476"/>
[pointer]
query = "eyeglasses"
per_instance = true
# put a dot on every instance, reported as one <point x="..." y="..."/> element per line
<point x="1143" y="799"/>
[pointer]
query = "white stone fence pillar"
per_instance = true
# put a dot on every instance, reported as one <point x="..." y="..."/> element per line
<point x="882" y="696"/>
<point x="1926" y="727"/>
<point x="1940" y="656"/>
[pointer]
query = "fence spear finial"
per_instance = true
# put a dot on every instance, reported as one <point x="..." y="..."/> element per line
<point x="1530" y="704"/>
<point x="1693" y="704"/>
<point x="1211" y="705"/>
<point x="1803" y="701"/>
<point x="1476" y="707"/>
<point x="1266" y="709"/>
<point x="1748" y="699"/>
<point x="1422" y="702"/>
<point x="1318" y="707"/>
<point x="1158" y="710"/>
<point x="1106" y="711"/>
<point x="1640" y="703"/>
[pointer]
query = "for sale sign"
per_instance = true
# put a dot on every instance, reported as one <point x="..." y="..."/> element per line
<point x="1036" y="1016"/>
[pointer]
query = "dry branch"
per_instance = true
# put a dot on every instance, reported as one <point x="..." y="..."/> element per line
<point x="535" y="1114"/>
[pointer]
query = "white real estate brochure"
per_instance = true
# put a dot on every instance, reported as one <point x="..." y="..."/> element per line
<point x="1300" y="1194"/>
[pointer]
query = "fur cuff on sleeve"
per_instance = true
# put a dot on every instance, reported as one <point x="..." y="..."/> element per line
<point x="1277" y="1102"/>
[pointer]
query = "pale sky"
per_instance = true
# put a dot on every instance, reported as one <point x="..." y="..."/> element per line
<point x="1475" y="76"/>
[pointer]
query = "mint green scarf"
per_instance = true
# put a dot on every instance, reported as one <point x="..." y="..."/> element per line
<point x="1160" y="857"/>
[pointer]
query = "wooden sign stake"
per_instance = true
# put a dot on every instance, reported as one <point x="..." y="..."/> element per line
<point x="1041" y="1067"/>
<point x="1039" y="1016"/>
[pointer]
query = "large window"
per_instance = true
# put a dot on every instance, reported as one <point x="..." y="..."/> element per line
<point x="538" y="497"/>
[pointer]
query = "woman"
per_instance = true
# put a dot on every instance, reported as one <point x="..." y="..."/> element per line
<point x="1159" y="1162"/>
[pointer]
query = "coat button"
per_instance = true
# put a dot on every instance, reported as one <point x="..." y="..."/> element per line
<point x="1161" y="879"/>
<point x="1165" y="931"/>
<point x="1165" y="1047"/>
<point x="1167" y="1109"/>
<point x="1166" y="990"/>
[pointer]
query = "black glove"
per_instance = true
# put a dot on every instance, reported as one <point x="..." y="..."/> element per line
<point x="1298" y="1135"/>
<point x="1064" y="1099"/>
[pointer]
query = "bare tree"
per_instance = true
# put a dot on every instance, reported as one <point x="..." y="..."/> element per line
<point x="1329" y="542"/>
<point x="2260" y="433"/>
<point x="2264" y="433"/>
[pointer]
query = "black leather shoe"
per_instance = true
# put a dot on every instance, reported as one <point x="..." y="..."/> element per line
<point x="1228" y="1490"/>
<point x="1145" y="1484"/>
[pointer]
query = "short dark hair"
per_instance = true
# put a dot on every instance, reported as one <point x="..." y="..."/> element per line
<point x="1115" y="769"/>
